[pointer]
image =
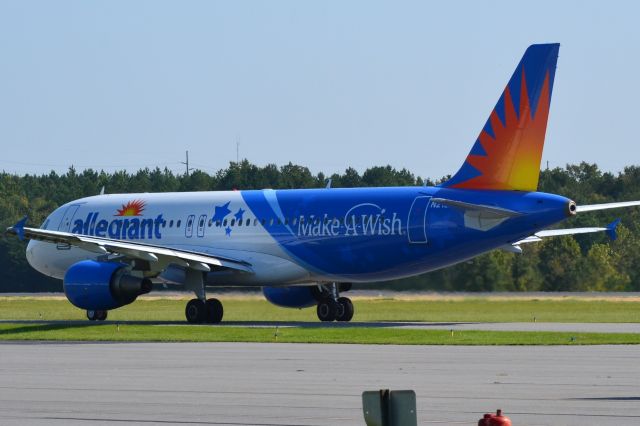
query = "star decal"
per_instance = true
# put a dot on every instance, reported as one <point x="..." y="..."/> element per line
<point x="239" y="214"/>
<point x="221" y="212"/>
<point x="227" y="231"/>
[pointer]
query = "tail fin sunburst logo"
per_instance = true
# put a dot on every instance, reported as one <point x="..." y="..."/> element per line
<point x="132" y="208"/>
<point x="508" y="151"/>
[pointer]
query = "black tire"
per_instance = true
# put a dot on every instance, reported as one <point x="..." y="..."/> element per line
<point x="214" y="311"/>
<point x="92" y="315"/>
<point x="347" y="309"/>
<point x="195" y="311"/>
<point x="327" y="310"/>
<point x="101" y="315"/>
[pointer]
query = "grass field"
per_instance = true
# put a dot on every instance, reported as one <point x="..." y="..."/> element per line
<point x="256" y="309"/>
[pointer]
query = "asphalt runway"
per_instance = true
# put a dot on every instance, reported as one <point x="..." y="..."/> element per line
<point x="302" y="384"/>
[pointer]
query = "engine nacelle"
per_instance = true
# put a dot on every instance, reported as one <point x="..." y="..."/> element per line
<point x="93" y="285"/>
<point x="291" y="297"/>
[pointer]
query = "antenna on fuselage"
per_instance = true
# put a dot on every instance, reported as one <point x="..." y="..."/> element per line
<point x="329" y="183"/>
<point x="102" y="190"/>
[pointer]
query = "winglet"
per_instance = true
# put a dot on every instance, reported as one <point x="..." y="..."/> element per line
<point x="18" y="228"/>
<point x="611" y="229"/>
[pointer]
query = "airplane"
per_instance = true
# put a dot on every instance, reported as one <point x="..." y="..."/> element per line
<point x="305" y="247"/>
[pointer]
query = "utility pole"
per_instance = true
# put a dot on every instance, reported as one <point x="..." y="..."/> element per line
<point x="186" y="163"/>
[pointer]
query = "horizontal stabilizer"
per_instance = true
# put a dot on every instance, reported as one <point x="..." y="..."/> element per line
<point x="497" y="211"/>
<point x="538" y="236"/>
<point x="479" y="216"/>
<point x="605" y="206"/>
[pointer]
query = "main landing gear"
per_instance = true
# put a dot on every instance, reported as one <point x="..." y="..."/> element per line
<point x="97" y="315"/>
<point x="209" y="311"/>
<point x="201" y="310"/>
<point x="332" y="307"/>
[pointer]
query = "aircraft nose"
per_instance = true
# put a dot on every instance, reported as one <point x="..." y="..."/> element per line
<point x="35" y="256"/>
<point x="31" y="246"/>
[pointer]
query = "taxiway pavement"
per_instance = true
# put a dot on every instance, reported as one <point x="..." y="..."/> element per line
<point x="303" y="384"/>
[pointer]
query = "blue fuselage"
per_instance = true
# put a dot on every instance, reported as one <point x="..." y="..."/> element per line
<point x="317" y="235"/>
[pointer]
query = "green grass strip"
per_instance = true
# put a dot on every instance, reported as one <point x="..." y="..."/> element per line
<point x="189" y="333"/>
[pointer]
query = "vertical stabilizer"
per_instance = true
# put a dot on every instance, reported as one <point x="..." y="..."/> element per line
<point x="508" y="151"/>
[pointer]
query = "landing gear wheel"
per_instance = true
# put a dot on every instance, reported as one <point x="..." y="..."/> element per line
<point x="195" y="311"/>
<point x="346" y="312"/>
<point x="327" y="310"/>
<point x="96" y="315"/>
<point x="214" y="311"/>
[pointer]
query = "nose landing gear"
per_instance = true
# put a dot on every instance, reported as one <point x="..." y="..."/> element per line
<point x="332" y="307"/>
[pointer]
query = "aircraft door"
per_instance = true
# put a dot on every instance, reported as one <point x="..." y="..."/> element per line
<point x="201" y="225"/>
<point x="417" y="221"/>
<point x="188" y="230"/>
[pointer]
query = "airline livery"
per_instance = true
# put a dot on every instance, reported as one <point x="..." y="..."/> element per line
<point x="305" y="247"/>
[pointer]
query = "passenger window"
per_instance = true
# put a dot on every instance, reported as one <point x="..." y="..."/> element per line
<point x="225" y="222"/>
<point x="248" y="222"/>
<point x="218" y="223"/>
<point x="255" y="222"/>
<point x="264" y="222"/>
<point x="239" y="222"/>
<point x="178" y="224"/>
<point x="294" y="221"/>
<point x="271" y="222"/>
<point x="233" y="222"/>
<point x="171" y="223"/>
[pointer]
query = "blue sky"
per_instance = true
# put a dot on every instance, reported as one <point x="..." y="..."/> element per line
<point x="332" y="84"/>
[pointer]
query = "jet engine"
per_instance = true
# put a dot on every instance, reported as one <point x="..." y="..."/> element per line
<point x="291" y="297"/>
<point x="93" y="285"/>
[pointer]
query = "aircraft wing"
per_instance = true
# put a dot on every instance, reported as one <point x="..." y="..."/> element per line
<point x="538" y="236"/>
<point x="133" y="250"/>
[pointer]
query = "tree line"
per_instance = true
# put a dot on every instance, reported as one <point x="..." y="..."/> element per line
<point x="571" y="263"/>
